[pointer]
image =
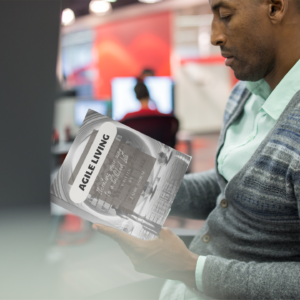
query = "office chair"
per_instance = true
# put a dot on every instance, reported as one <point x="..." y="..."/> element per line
<point x="160" y="128"/>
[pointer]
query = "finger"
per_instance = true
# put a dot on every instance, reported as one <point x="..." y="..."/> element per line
<point x="115" y="234"/>
<point x="165" y="233"/>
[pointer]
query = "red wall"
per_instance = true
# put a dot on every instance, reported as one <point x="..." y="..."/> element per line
<point x="126" y="48"/>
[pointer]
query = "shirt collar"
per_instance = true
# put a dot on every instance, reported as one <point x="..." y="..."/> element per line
<point x="279" y="98"/>
<point x="259" y="88"/>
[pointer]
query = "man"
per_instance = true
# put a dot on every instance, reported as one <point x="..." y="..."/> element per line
<point x="249" y="247"/>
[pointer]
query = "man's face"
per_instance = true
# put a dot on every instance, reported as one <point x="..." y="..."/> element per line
<point x="243" y="31"/>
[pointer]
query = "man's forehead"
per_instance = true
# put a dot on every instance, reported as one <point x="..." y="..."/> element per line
<point x="216" y="4"/>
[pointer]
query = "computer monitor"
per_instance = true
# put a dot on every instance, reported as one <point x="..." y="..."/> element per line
<point x="82" y="106"/>
<point x="124" y="99"/>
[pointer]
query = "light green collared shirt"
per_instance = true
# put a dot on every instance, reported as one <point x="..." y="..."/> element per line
<point x="260" y="114"/>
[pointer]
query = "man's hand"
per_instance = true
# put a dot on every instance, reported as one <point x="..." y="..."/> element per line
<point x="165" y="257"/>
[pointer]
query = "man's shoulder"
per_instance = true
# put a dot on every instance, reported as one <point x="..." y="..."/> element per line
<point x="238" y="90"/>
<point x="236" y="98"/>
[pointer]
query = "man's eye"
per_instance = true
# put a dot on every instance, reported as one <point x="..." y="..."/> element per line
<point x="225" y="18"/>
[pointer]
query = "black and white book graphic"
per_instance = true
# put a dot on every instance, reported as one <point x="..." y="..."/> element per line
<point x="119" y="177"/>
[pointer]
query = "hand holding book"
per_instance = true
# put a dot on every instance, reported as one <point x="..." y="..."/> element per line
<point x="165" y="257"/>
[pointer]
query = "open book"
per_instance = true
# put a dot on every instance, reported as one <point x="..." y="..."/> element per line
<point x="119" y="177"/>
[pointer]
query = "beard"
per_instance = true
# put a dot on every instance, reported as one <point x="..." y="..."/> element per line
<point x="250" y="64"/>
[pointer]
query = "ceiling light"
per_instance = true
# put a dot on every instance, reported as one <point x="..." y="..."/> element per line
<point x="100" y="7"/>
<point x="67" y="17"/>
<point x="150" y="1"/>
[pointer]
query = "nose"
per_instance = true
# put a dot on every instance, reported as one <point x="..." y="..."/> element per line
<point x="218" y="37"/>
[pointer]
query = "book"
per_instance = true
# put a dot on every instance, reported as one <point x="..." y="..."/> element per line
<point x="119" y="177"/>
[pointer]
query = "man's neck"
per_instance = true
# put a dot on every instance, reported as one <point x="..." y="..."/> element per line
<point x="285" y="61"/>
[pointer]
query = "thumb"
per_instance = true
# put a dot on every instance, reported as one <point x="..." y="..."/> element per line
<point x="106" y="230"/>
<point x="115" y="234"/>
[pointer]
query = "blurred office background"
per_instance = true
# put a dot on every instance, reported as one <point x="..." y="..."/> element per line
<point x="73" y="55"/>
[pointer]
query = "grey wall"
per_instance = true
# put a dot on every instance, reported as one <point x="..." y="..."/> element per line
<point x="29" y="32"/>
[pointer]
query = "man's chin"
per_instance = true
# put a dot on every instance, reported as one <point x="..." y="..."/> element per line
<point x="246" y="76"/>
<point x="241" y="77"/>
<point x="247" y="73"/>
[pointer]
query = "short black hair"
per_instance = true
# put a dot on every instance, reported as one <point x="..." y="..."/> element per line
<point x="149" y="72"/>
<point x="141" y="91"/>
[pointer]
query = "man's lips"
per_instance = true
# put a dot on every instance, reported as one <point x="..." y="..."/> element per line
<point x="229" y="59"/>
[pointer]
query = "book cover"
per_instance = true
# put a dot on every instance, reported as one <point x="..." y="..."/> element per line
<point x="119" y="177"/>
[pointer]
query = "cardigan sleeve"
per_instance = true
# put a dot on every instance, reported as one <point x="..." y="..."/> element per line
<point x="197" y="195"/>
<point x="232" y="279"/>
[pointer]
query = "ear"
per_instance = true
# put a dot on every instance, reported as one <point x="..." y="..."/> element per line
<point x="277" y="10"/>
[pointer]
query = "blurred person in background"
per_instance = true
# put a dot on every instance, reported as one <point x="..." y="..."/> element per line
<point x="143" y="96"/>
<point x="249" y="246"/>
<point x="146" y="73"/>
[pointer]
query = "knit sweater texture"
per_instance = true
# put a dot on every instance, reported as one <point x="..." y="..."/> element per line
<point x="254" y="246"/>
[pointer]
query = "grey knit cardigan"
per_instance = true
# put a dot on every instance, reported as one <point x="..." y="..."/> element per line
<point x="254" y="246"/>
